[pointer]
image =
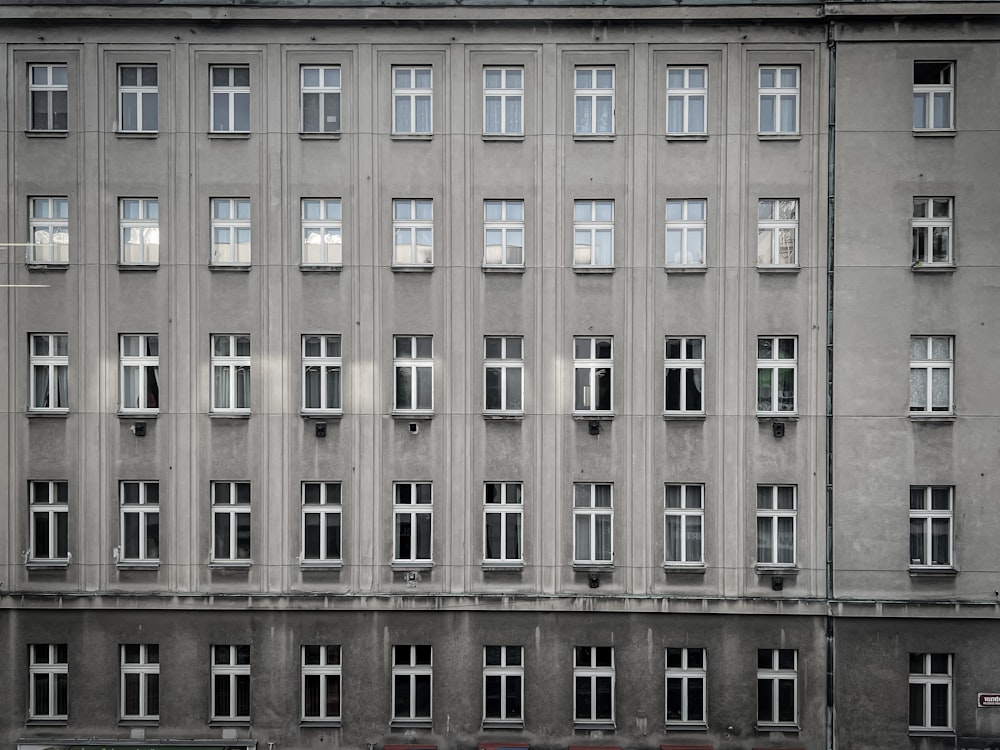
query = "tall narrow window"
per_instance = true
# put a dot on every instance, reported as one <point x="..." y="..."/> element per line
<point x="777" y="381"/>
<point x="503" y="685"/>
<point x="413" y="232"/>
<point x="321" y="682"/>
<point x="231" y="522"/>
<point x="49" y="365"/>
<point x="48" y="89"/>
<point x="48" y="673"/>
<point x="231" y="373"/>
<point x="140" y="682"/>
<point x="683" y="524"/>
<point x="594" y="101"/>
<point x="593" y="685"/>
<point x="593" y="234"/>
<point x="687" y="96"/>
<point x="932" y="226"/>
<point x="592" y="369"/>
<point x="230" y="231"/>
<point x="140" y="373"/>
<point x="779" y="101"/>
<point x="412" y="510"/>
<point x="139" y="223"/>
<point x="503" y="225"/>
<point x="931" y="518"/>
<point x="933" y="95"/>
<point x="504" y="373"/>
<point x="503" y="514"/>
<point x="593" y="524"/>
<point x="231" y="683"/>
<point x="930" y="692"/>
<point x="777" y="687"/>
<point x="137" y="98"/>
<point x="320" y="99"/>
<point x="684" y="375"/>
<point x="49" y="504"/>
<point x="140" y="523"/>
<point x="322" y="367"/>
<point x="685" y="680"/>
<point x="230" y="96"/>
<point x="321" y="523"/>
<point x="412" y="92"/>
<point x="503" y="98"/>
<point x="412" y="670"/>
<point x="686" y="229"/>
<point x="49" y="227"/>
<point x="413" y="362"/>
<point x="777" y="232"/>
<point x="775" y="524"/>
<point x="932" y="362"/>
<point x="322" y="232"/>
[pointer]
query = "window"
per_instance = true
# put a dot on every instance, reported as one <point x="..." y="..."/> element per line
<point x="683" y="375"/>
<point x="49" y="675"/>
<point x="503" y="513"/>
<point x="320" y="99"/>
<point x="777" y="362"/>
<point x="230" y="231"/>
<point x="412" y="510"/>
<point x="412" y="232"/>
<point x="594" y="685"/>
<point x="321" y="673"/>
<point x="503" y="225"/>
<point x="140" y="373"/>
<point x="777" y="675"/>
<point x="137" y="99"/>
<point x="231" y="373"/>
<point x="930" y="527"/>
<point x="322" y="366"/>
<point x="594" y="99"/>
<point x="140" y="522"/>
<point x="322" y="232"/>
<point x="411" y="684"/>
<point x="139" y="222"/>
<point x="775" y="524"/>
<point x="930" y="692"/>
<point x="414" y="365"/>
<point x="685" y="680"/>
<point x="687" y="95"/>
<point x="778" y="232"/>
<point x="504" y="369"/>
<point x="686" y="230"/>
<point x="593" y="234"/>
<point x="592" y="368"/>
<point x="933" y="95"/>
<point x="932" y="228"/>
<point x="49" y="364"/>
<point x="140" y="690"/>
<point x="230" y="99"/>
<point x="230" y="683"/>
<point x="593" y="516"/>
<point x="932" y="360"/>
<point x="503" y="685"/>
<point x="48" y="89"/>
<point x="779" y="101"/>
<point x="683" y="524"/>
<point x="411" y="101"/>
<point x="321" y="522"/>
<point x="49" y="227"/>
<point x="231" y="522"/>
<point x="503" y="98"/>
<point x="49" y="503"/>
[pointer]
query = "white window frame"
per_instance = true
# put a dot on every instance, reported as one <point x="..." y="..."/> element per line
<point x="504" y="665"/>
<point x="415" y="514"/>
<point x="590" y="94"/>
<point x="48" y="225"/>
<point x="586" y="673"/>
<point x="322" y="233"/>
<point x="140" y="665"/>
<point x="412" y="221"/>
<point x="687" y="231"/>
<point x="777" y="222"/>
<point x="503" y="364"/>
<point x="139" y="94"/>
<point x="146" y="512"/>
<point x="53" y="369"/>
<point x="324" y="500"/>
<point x="508" y="96"/>
<point x="772" y="361"/>
<point x="147" y="372"/>
<point x="322" y="674"/>
<point x="773" y="672"/>
<point x="593" y="226"/>
<point x="777" y="517"/>
<point x="52" y="506"/>
<point x="932" y="507"/>
<point x="327" y="363"/>
<point x="937" y="98"/>
<point x="49" y="90"/>
<point x="230" y="225"/>
<point x="326" y="91"/>
<point x="923" y="360"/>
<point x="412" y="665"/>
<point x="414" y="97"/>
<point x="231" y="667"/>
<point x="503" y="233"/>
<point x="684" y="509"/>
<point x="923" y="684"/>
<point x="48" y="663"/>
<point x="503" y="505"/>
<point x="416" y="369"/>
<point x="775" y="97"/>
<point x="687" y="669"/>
<point x="688" y="366"/>
<point x="592" y="520"/>
<point x="589" y="365"/>
<point x="139" y="231"/>
<point x="230" y="100"/>
<point x="687" y="97"/>
<point x="933" y="231"/>
<point x="228" y="505"/>
<point x="228" y="395"/>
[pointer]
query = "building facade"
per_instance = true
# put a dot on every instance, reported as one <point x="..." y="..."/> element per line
<point x="499" y="376"/>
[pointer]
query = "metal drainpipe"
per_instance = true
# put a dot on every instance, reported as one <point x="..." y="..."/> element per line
<point x="831" y="44"/>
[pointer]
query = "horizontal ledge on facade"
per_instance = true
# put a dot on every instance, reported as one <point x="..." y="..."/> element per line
<point x="692" y="268"/>
<point x="57" y="722"/>
<point x="151" y="565"/>
<point x="322" y="416"/>
<point x="590" y="726"/>
<point x="423" y="268"/>
<point x="501" y="724"/>
<point x="696" y="569"/>
<point x="320" y="723"/>
<point x="320" y="137"/>
<point x="238" y="415"/>
<point x="934" y="267"/>
<point x="594" y="137"/>
<point x="936" y="133"/>
<point x="600" y="416"/>
<point x="138" y="266"/>
<point x="40" y="414"/>
<point x="321" y="565"/>
<point x="411" y="136"/>
<point x="503" y="137"/>
<point x="146" y="721"/>
<point x="933" y="418"/>
<point x="775" y="570"/>
<point x="593" y="269"/>
<point x="34" y="266"/>
<point x="321" y="267"/>
<point x="502" y="269"/>
<point x="403" y="566"/>
<point x="412" y="724"/>
<point x="409" y="416"/>
<point x="932" y="572"/>
<point x="139" y="416"/>
<point x="229" y="267"/>
<point x="697" y="726"/>
<point x="46" y="133"/>
<point x="47" y="564"/>
<point x="680" y="137"/>
<point x="499" y="417"/>
<point x="915" y="732"/>
<point x="242" y="722"/>
<point x="767" y="727"/>
<point x="779" y="136"/>
<point x="671" y="417"/>
<point x="136" y="135"/>
<point x="779" y="268"/>
<point x="496" y="566"/>
<point x="229" y="136"/>
<point x="585" y="567"/>
<point x="790" y="417"/>
<point x="230" y="565"/>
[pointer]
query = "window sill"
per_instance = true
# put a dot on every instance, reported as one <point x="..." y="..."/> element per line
<point x="425" y="268"/>
<point x="243" y="721"/>
<point x="673" y="726"/>
<point x="136" y="134"/>
<point x="412" y="416"/>
<point x="501" y="137"/>
<point x="321" y="565"/>
<point x="320" y="137"/>
<point x="593" y="269"/>
<point x="777" y="727"/>
<point x="779" y="136"/>
<point x="672" y="417"/>
<point x="137" y="565"/>
<point x="318" y="723"/>
<point x="503" y="269"/>
<point x="933" y="418"/>
<point x="322" y="415"/>
<point x="225" y="136"/>
<point x="593" y="567"/>
<point x="932" y="572"/>
<point x="140" y="721"/>
<point x="411" y="723"/>
<point x="411" y="136"/>
<point x="141" y="416"/>
<point x="500" y="724"/>
<point x="39" y="414"/>
<point x="918" y="732"/>
<point x="776" y="570"/>
<point x="57" y="721"/>
<point x="688" y="268"/>
<point x="227" y="267"/>
<point x="594" y="725"/>
<point x="686" y="137"/>
<point x="229" y="415"/>
<point x="934" y="267"/>
<point x="47" y="564"/>
<point x="502" y="566"/>
<point x="695" y="568"/>
<point x="326" y="268"/>
<point x="503" y="416"/>
<point x="598" y="416"/>
<point x="32" y="265"/>
<point x="46" y="133"/>
<point x="230" y="565"/>
<point x="404" y="566"/>
<point x="782" y="268"/>
<point x="935" y="132"/>
<point x="593" y="136"/>
<point x="790" y="416"/>
<point x="138" y="266"/>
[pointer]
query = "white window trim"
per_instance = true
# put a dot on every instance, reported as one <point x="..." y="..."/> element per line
<point x="323" y="239"/>
<point x="686" y="513"/>
<point x="505" y="364"/>
<point x="140" y="91"/>
<point x="410" y="511"/>
<point x="592" y="512"/>
<point x="686" y="93"/>
<point x="327" y="507"/>
<point x="505" y="94"/>
<point x="231" y="91"/>
<point x="230" y="253"/>
<point x="148" y="230"/>
<point x="324" y="363"/>
<point x="233" y="671"/>
<point x="325" y="669"/>
<point x="685" y="674"/>
<point x="686" y="227"/>
<point x="684" y="364"/>
<point x="926" y="516"/>
<point x="927" y="226"/>
<point x="50" y="669"/>
<point x="592" y="228"/>
<point x="505" y="510"/>
<point x="774" y="228"/>
<point x="507" y="227"/>
<point x="593" y="673"/>
<point x="413" y="364"/>
<point x="928" y="92"/>
<point x="53" y="508"/>
<point x="144" y="509"/>
<point x="774" y="674"/>
<point x="55" y="229"/>
<point x="232" y="364"/>
<point x="412" y="670"/>
<point x="593" y="365"/>
<point x="777" y="93"/>
<point x="413" y="226"/>
<point x="774" y="365"/>
<point x="143" y="363"/>
<point x="593" y="94"/>
<point x="926" y="679"/>
<point x="772" y="515"/>
<point x="412" y="93"/>
<point x="505" y="672"/>
<point x="52" y="363"/>
<point x="929" y="365"/>
<point x="49" y="89"/>
<point x="322" y="90"/>
<point x="143" y="669"/>
<point x="232" y="510"/>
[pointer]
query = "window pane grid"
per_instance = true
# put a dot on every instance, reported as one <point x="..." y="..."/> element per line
<point x="779" y="101"/>
<point x="49" y="365"/>
<point x="503" y="684"/>
<point x="411" y="683"/>
<point x="413" y="232"/>
<point x="140" y="522"/>
<point x="932" y="226"/>
<point x="932" y="374"/>
<point x="593" y="518"/>
<point x="778" y="232"/>
<point x="683" y="524"/>
<point x="593" y="233"/>
<point x="137" y="98"/>
<point x="230" y="99"/>
<point x="140" y="689"/>
<point x="48" y="92"/>
<point x="49" y="505"/>
<point x="593" y="374"/>
<point x="777" y="686"/>
<point x="140" y="373"/>
<point x="930" y="683"/>
<point x="139" y="227"/>
<point x="322" y="232"/>
<point x="322" y="371"/>
<point x="933" y="95"/>
<point x="931" y="519"/>
<point x="503" y="101"/>
<point x="231" y="522"/>
<point x="230" y="683"/>
<point x="503" y="230"/>
<point x="412" y="522"/>
<point x="414" y="373"/>
<point x="231" y="231"/>
<point x="230" y="373"/>
<point x="776" y="512"/>
<point x="321" y="683"/>
<point x="687" y="97"/>
<point x="48" y="673"/>
<point x="503" y="511"/>
<point x="320" y="99"/>
<point x="686" y="231"/>
<point x="594" y="685"/>
<point x="684" y="373"/>
<point x="321" y="522"/>
<point x="503" y="369"/>
<point x="685" y="678"/>
<point x="48" y="226"/>
<point x="594" y="97"/>
<point x="777" y="377"/>
<point x="412" y="96"/>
